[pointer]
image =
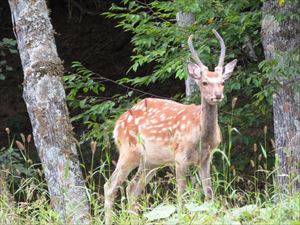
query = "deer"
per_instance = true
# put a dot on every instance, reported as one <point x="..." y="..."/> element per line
<point x="159" y="132"/>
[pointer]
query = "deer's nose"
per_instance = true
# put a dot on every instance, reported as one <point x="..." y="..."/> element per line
<point x="218" y="95"/>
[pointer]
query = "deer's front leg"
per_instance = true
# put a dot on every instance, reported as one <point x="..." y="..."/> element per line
<point x="181" y="166"/>
<point x="204" y="172"/>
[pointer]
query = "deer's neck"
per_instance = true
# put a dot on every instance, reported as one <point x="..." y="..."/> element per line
<point x="209" y="121"/>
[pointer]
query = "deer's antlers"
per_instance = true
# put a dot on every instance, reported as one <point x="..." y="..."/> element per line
<point x="196" y="57"/>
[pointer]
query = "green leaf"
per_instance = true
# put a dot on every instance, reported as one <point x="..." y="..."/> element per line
<point x="205" y="207"/>
<point x="82" y="103"/>
<point x="8" y="68"/>
<point x="85" y="89"/>
<point x="102" y="88"/>
<point x="263" y="150"/>
<point x="160" y="212"/>
<point x="13" y="51"/>
<point x="245" y="211"/>
<point x="2" y="77"/>
<point x="235" y="86"/>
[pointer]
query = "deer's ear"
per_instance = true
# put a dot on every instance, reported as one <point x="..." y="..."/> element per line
<point x="194" y="71"/>
<point x="229" y="69"/>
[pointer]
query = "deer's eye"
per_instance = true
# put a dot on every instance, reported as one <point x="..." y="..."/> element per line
<point x="204" y="83"/>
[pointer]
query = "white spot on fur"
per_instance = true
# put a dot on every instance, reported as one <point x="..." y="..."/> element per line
<point x="115" y="132"/>
<point x="136" y="121"/>
<point x="180" y="111"/>
<point x="139" y="128"/>
<point x="153" y="121"/>
<point x="132" y="133"/>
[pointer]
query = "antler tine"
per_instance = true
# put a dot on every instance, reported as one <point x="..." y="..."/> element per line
<point x="223" y="48"/>
<point x="194" y="54"/>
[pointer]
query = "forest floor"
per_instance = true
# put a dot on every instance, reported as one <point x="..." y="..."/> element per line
<point x="157" y="208"/>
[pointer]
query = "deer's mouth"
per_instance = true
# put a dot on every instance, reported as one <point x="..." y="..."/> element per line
<point x="216" y="100"/>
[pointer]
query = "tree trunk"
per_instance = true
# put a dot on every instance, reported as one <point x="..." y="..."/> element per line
<point x="185" y="19"/>
<point x="284" y="36"/>
<point x="44" y="96"/>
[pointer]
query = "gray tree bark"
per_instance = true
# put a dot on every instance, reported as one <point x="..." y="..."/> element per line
<point x="284" y="36"/>
<point x="185" y="19"/>
<point x="44" y="96"/>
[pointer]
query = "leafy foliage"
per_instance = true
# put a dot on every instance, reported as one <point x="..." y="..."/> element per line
<point x="97" y="113"/>
<point x="157" y="39"/>
<point x="282" y="71"/>
<point x="6" y="45"/>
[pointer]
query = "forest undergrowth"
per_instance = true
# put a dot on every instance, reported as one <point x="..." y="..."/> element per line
<point x="257" y="201"/>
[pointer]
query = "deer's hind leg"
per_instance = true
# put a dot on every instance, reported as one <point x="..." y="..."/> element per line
<point x="136" y="186"/>
<point x="128" y="161"/>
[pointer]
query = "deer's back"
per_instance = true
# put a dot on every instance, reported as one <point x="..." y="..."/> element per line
<point x="158" y="124"/>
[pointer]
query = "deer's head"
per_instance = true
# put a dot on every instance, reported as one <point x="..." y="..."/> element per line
<point x="211" y="83"/>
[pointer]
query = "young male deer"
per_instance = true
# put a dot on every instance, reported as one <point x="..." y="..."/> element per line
<point x="158" y="132"/>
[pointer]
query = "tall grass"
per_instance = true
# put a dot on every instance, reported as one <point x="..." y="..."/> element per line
<point x="233" y="204"/>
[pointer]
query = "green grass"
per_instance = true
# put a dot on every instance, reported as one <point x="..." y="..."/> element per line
<point x="158" y="209"/>
<point x="158" y="205"/>
<point x="239" y="199"/>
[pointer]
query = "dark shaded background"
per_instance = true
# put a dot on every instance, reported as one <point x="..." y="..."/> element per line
<point x="82" y="34"/>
